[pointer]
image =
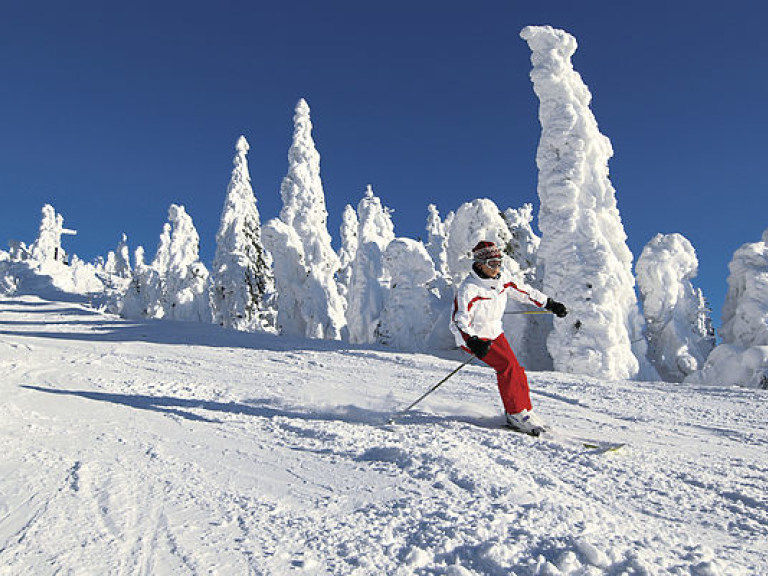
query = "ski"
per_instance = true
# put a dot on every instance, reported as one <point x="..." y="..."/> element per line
<point x="592" y="445"/>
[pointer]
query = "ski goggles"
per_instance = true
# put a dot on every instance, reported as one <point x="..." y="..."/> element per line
<point x="492" y="263"/>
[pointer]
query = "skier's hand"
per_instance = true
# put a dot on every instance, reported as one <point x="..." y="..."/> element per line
<point x="478" y="347"/>
<point x="557" y="308"/>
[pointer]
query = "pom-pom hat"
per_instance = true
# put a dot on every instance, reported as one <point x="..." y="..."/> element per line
<point x="485" y="250"/>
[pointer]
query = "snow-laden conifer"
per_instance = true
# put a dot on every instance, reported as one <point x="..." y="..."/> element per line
<point x="583" y="258"/>
<point x="291" y="278"/>
<point x="474" y="221"/>
<point x="144" y="297"/>
<point x="47" y="247"/>
<point x="524" y="243"/>
<point x="175" y="284"/>
<point x="370" y="280"/>
<point x="436" y="240"/>
<point x="314" y="307"/>
<point x="304" y="199"/>
<point x="680" y="336"/>
<point x="407" y="318"/>
<point x="242" y="292"/>
<point x="118" y="262"/>
<point x="745" y="312"/>
<point x="742" y="358"/>
<point x="186" y="277"/>
<point x="349" y="244"/>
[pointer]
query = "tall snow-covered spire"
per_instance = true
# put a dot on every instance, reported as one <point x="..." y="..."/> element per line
<point x="583" y="258"/>
<point x="303" y="196"/>
<point x="310" y="302"/>
<point x="243" y="290"/>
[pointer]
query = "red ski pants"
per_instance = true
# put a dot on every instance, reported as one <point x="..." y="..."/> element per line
<point x="511" y="378"/>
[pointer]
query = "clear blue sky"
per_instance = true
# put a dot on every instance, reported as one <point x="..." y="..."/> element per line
<point x="112" y="111"/>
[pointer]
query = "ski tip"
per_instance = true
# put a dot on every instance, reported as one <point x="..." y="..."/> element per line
<point x="603" y="447"/>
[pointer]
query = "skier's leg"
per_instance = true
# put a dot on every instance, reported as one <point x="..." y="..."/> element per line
<point x="510" y="375"/>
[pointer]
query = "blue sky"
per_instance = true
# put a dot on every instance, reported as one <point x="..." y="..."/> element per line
<point x="112" y="111"/>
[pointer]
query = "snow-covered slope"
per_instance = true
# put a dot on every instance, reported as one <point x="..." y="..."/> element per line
<point x="172" y="448"/>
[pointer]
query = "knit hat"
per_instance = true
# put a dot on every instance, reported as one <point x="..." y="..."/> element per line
<point x="486" y="251"/>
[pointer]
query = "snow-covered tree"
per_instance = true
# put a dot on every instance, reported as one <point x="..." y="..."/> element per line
<point x="143" y="297"/>
<point x="370" y="280"/>
<point x="437" y="240"/>
<point x="524" y="243"/>
<point x="47" y="247"/>
<point x="349" y="244"/>
<point x="118" y="262"/>
<point x="186" y="278"/>
<point x="680" y="334"/>
<point x="242" y="294"/>
<point x="475" y="221"/>
<point x="407" y="318"/>
<point x="745" y="312"/>
<point x="583" y="258"/>
<point x="320" y="303"/>
<point x="742" y="358"/>
<point x="175" y="285"/>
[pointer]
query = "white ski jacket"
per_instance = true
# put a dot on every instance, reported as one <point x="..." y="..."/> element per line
<point x="478" y="308"/>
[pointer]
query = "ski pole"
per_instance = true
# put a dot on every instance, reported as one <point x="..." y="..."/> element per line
<point x="397" y="415"/>
<point x="530" y="312"/>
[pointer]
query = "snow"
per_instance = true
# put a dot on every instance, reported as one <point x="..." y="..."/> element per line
<point x="148" y="447"/>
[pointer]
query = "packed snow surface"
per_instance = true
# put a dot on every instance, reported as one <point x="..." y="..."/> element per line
<point x="183" y="448"/>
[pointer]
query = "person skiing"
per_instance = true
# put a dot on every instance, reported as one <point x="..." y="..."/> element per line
<point x="477" y="326"/>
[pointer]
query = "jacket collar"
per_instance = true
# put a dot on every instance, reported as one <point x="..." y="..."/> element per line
<point x="485" y="279"/>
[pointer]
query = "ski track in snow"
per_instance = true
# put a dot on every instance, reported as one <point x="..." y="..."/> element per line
<point x="170" y="448"/>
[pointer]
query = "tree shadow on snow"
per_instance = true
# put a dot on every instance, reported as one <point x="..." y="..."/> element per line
<point x="257" y="408"/>
<point x="269" y="409"/>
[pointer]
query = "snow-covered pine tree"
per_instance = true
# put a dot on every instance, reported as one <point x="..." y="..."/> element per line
<point x="320" y="304"/>
<point x="370" y="281"/>
<point x="441" y="286"/>
<point x="47" y="247"/>
<point x="186" y="278"/>
<point x="143" y="297"/>
<point x="118" y="263"/>
<point x="742" y="358"/>
<point x="122" y="266"/>
<point x="524" y="243"/>
<point x="745" y="312"/>
<point x="407" y="318"/>
<point x="436" y="240"/>
<point x="242" y="294"/>
<point x="475" y="221"/>
<point x="680" y="336"/>
<point x="349" y="244"/>
<point x="583" y="258"/>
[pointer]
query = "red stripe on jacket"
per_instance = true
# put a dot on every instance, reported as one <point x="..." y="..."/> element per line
<point x="513" y="285"/>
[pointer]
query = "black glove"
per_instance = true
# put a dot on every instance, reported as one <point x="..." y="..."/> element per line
<point x="478" y="347"/>
<point x="557" y="308"/>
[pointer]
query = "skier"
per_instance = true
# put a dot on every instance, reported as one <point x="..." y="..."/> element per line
<point x="476" y="323"/>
